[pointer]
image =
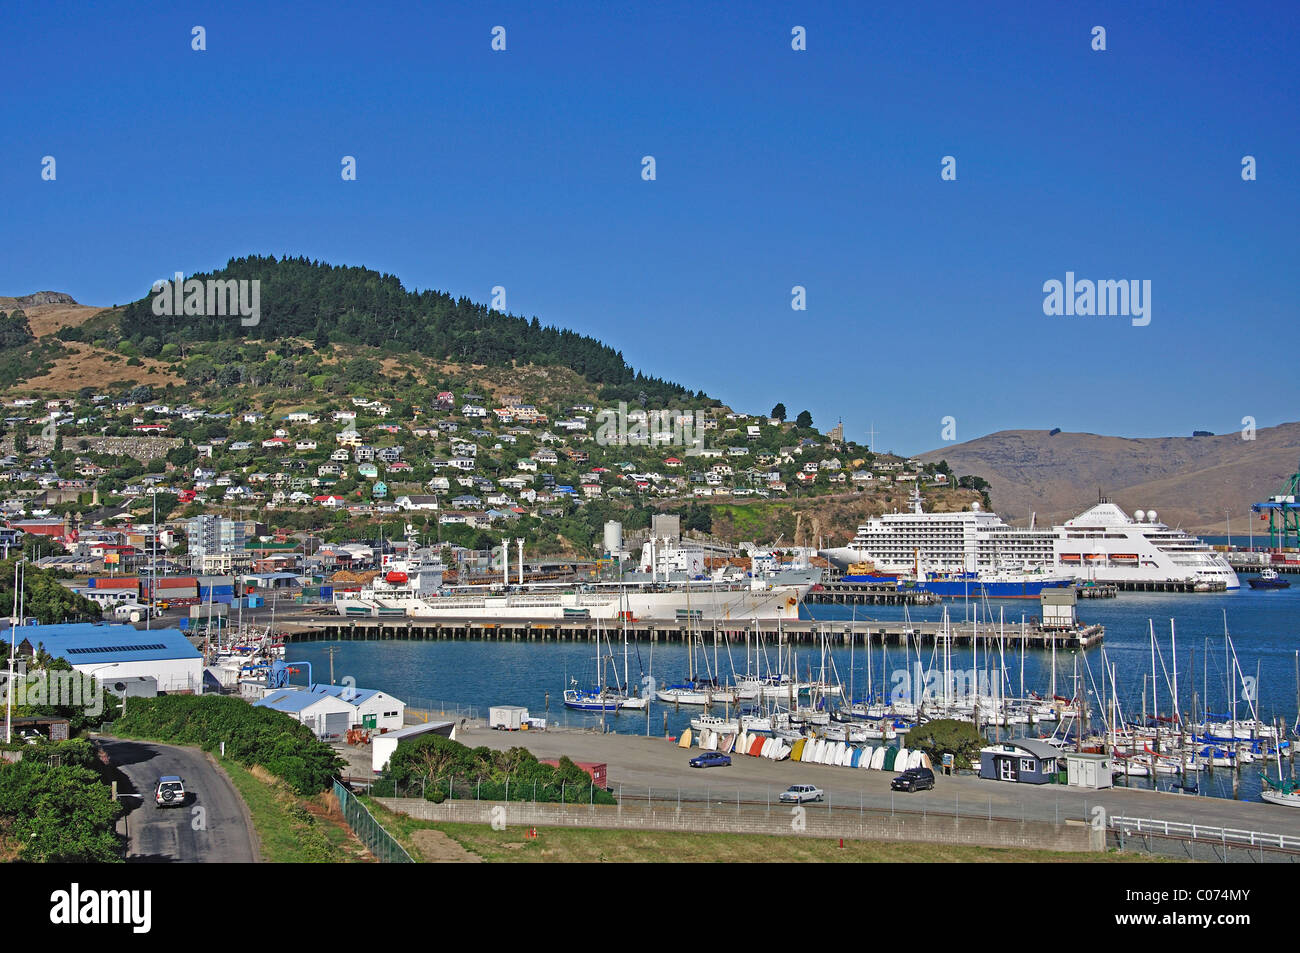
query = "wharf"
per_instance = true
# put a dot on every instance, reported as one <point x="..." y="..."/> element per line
<point x="795" y="631"/>
<point x="869" y="594"/>
<point x="1105" y="591"/>
<point x="1170" y="585"/>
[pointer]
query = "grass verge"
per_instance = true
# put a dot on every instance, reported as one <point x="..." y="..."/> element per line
<point x="594" y="845"/>
<point x="292" y="829"/>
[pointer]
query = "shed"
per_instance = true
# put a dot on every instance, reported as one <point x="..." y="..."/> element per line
<point x="383" y="746"/>
<point x="1091" y="771"/>
<point x="324" y="714"/>
<point x="371" y="709"/>
<point x="1022" y="760"/>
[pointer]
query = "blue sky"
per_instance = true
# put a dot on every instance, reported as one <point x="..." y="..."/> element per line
<point x="775" y="168"/>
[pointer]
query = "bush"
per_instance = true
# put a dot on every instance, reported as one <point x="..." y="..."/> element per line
<point x="447" y="768"/>
<point x="272" y="739"/>
<point x="943" y="736"/>
<point x="55" y="808"/>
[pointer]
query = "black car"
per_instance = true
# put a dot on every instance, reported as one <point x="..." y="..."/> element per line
<point x="914" y="779"/>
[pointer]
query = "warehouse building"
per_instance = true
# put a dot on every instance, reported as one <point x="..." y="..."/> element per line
<point x="324" y="714"/>
<point x="371" y="709"/>
<point x="118" y="652"/>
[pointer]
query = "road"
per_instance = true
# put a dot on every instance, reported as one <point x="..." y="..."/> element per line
<point x="637" y="763"/>
<point x="211" y="827"/>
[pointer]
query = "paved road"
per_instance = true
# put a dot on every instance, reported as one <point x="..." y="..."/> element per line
<point x="638" y="763"/>
<point x="210" y="827"/>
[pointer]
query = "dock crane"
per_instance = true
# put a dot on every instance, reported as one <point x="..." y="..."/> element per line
<point x="1283" y="513"/>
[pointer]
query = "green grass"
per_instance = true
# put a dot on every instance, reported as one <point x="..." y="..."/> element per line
<point x="288" y="833"/>
<point x="592" y="845"/>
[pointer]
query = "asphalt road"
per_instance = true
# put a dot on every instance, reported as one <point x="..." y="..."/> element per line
<point x="210" y="827"/>
<point x="636" y="764"/>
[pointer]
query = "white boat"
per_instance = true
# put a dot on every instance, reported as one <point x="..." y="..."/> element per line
<point x="1281" y="792"/>
<point x="712" y="723"/>
<point x="1103" y="544"/>
<point x="402" y="583"/>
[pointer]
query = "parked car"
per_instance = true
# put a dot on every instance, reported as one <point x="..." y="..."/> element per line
<point x="914" y="779"/>
<point x="798" y="793"/>
<point x="711" y="759"/>
<point x="170" y="791"/>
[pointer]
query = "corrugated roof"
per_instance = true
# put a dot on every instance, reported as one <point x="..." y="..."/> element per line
<point x="347" y="693"/>
<point x="85" y="643"/>
<point x="290" y="699"/>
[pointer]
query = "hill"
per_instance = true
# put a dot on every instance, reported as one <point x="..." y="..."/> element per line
<point x="1189" y="481"/>
<point x="325" y="304"/>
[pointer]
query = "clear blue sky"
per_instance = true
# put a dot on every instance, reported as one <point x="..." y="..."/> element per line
<point x="775" y="168"/>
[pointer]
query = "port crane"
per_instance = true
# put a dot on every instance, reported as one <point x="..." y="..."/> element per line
<point x="1283" y="513"/>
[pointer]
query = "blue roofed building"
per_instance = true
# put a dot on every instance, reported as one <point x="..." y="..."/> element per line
<point x="375" y="710"/>
<point x="119" y="652"/>
<point x="324" y="714"/>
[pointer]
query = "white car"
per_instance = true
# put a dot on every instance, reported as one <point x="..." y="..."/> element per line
<point x="170" y="791"/>
<point x="798" y="793"/>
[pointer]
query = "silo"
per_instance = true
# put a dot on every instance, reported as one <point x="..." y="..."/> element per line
<point x="613" y="537"/>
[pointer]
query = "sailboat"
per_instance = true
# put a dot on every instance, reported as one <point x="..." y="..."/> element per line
<point x="1283" y="792"/>
<point x="695" y="690"/>
<point x="602" y="698"/>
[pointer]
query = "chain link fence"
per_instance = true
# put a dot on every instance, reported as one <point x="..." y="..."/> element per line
<point x="378" y="841"/>
<point x="420" y="710"/>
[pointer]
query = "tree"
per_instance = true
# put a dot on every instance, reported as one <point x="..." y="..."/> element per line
<point x="804" y="420"/>
<point x="961" y="739"/>
<point x="778" y="412"/>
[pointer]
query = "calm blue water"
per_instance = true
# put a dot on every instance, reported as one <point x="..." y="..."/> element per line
<point x="1265" y="628"/>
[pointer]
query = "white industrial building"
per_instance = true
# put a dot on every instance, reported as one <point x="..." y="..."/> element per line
<point x="118" y="652"/>
<point x="325" y="715"/>
<point x="323" y="708"/>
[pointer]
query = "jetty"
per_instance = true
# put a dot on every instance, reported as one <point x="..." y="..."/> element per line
<point x="794" y="631"/>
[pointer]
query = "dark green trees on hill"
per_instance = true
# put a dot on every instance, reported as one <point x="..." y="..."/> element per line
<point x="327" y="303"/>
<point x="14" y="330"/>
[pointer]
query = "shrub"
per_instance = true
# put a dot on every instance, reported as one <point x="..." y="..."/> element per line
<point x="253" y="736"/>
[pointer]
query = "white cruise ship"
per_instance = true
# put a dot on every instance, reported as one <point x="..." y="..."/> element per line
<point x="1102" y="544"/>
<point x="1105" y="544"/>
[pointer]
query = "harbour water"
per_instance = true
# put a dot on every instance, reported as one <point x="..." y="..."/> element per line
<point x="1263" y="627"/>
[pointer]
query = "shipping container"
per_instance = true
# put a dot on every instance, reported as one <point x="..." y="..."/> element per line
<point x="114" y="582"/>
<point x="597" y="770"/>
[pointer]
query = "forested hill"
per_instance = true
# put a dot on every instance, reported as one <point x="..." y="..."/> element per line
<point x="330" y="303"/>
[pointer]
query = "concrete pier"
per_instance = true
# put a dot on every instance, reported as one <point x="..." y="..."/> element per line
<point x="796" y="631"/>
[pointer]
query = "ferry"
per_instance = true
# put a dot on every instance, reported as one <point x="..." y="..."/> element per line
<point x="403" y="582"/>
<point x="1103" y="545"/>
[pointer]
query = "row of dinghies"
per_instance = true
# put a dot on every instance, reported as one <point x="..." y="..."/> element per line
<point x="810" y="751"/>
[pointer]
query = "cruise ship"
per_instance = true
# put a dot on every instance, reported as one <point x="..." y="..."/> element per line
<point x="1103" y="544"/>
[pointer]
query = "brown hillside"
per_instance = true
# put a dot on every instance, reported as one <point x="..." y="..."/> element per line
<point x="1189" y="481"/>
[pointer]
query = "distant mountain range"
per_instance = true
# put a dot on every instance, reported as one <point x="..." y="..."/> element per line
<point x="1189" y="481"/>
